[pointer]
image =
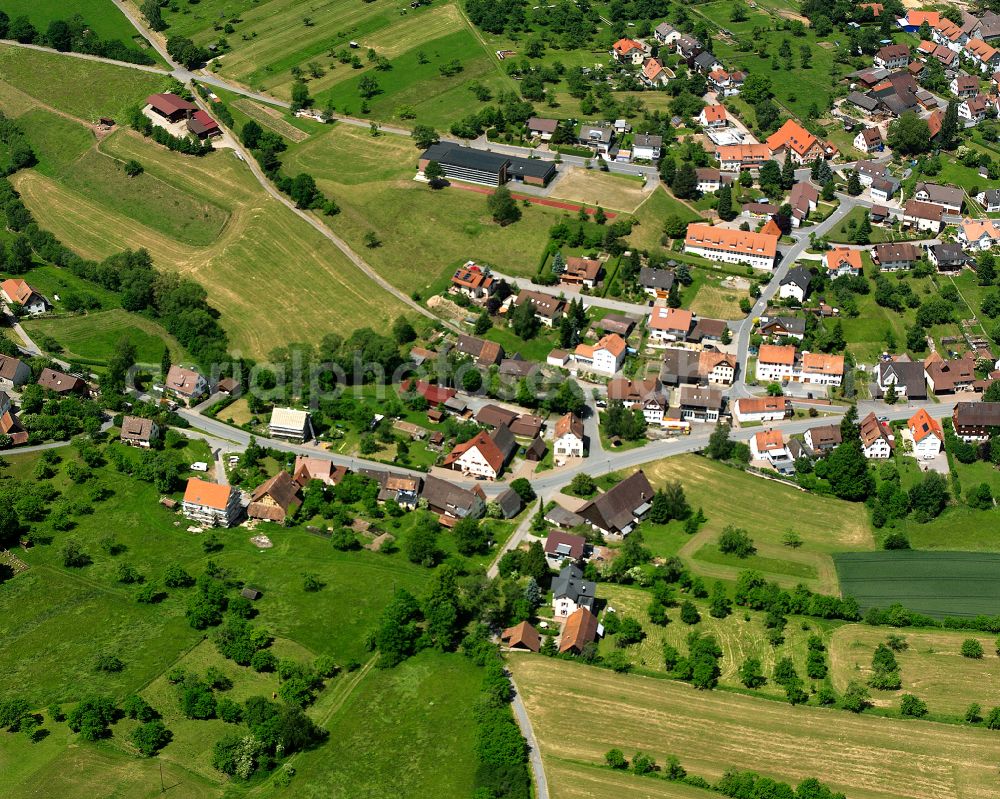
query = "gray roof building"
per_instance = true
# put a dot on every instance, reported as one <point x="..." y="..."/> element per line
<point x="570" y="583"/>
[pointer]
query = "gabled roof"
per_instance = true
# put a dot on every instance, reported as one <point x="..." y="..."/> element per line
<point x="740" y="242"/>
<point x="60" y="382"/>
<point x="656" y="278"/>
<point x="569" y="424"/>
<point x="566" y="545"/>
<point x="676" y="320"/>
<point x="136" y="428"/>
<point x="182" y="380"/>
<point x="208" y="495"/>
<point x="544" y="125"/>
<point x="627" y="46"/>
<point x="797" y="276"/>
<point x="698" y="397"/>
<point x="871" y="430"/>
<point x="890" y="253"/>
<point x="487" y="448"/>
<point x="922" y="210"/>
<point x="570" y="583"/>
<point x="614" y="510"/>
<point x="748" y="405"/>
<point x="922" y="424"/>
<point x="545" y="305"/>
<point x="495" y="416"/>
<point x="169" y="103"/>
<point x="827" y="435"/>
<point x="773" y="353"/>
<point x="793" y="136"/>
<point x="282" y="489"/>
<point x="769" y="440"/>
<point x="714" y="113"/>
<point x="843" y="256"/>
<point x="19" y="291"/>
<point x="522" y="636"/>
<point x="9" y="367"/>
<point x="578" y="631"/>
<point x="822" y="363"/>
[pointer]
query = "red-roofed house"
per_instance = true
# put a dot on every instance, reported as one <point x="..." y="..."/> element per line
<point x="213" y="504"/>
<point x="483" y="455"/>
<point x="17" y="291"/>
<point x="775" y="363"/>
<point x="203" y="126"/>
<point x="731" y="246"/>
<point x="669" y="324"/>
<point x="170" y="106"/>
<point x="629" y="51"/>
<point x="792" y="138"/>
<point x="472" y="281"/>
<point x="605" y="356"/>
<point x="842" y="261"/>
<point x="769" y="446"/>
<point x="713" y="116"/>
<point x="654" y="74"/>
<point x="434" y="394"/>
<point x="928" y="437"/>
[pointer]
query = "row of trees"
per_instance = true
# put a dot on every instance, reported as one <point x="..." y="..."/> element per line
<point x="69" y="35"/>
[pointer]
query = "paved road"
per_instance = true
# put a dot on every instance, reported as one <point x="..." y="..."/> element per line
<point x="534" y="756"/>
<point x="621" y="306"/>
<point x="87" y="57"/>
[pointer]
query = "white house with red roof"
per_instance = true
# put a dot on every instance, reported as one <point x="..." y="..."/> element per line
<point x="842" y="261"/>
<point x="775" y="363"/>
<point x="713" y="116"/>
<point x="669" y="324"/>
<point x="484" y="455"/>
<point x="927" y="435"/>
<point x="604" y="357"/>
<point x="18" y="291"/>
<point x="629" y="51"/>
<point x="213" y="504"/>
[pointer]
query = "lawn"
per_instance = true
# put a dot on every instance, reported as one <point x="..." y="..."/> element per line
<point x="606" y="189"/>
<point x="93" y="337"/>
<point x="242" y="268"/>
<point x="708" y="296"/>
<point x="824" y="524"/>
<point x="715" y="731"/>
<point x="53" y="280"/>
<point x="58" y="142"/>
<point x="935" y="583"/>
<point x="423" y="232"/>
<point x="536" y="349"/>
<point x="653" y="213"/>
<point x="879" y="234"/>
<point x="932" y="667"/>
<point x="84" y="89"/>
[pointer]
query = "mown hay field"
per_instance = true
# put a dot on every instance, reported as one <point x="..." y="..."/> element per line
<point x="866" y="757"/>
<point x="932" y="667"/>
<point x="935" y="583"/>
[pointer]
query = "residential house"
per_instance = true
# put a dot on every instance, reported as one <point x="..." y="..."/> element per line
<point x="666" y="33"/>
<point x="688" y="47"/>
<point x="527" y="425"/>
<point x="681" y="366"/>
<point x="964" y="86"/>
<point x="597" y="136"/>
<point x="985" y="56"/>
<point x="496" y="416"/>
<point x="979" y="234"/>
<point x="974" y="109"/>
<point x="947" y="257"/>
<point x="653" y="74"/>
<point x="713" y="116"/>
<point x="877" y="440"/>
<point x="17" y="291"/>
<point x="403" y="489"/>
<point x="700" y="404"/>
<point x="757" y="250"/>
<point x="711" y="180"/>
<point x="139" y="432"/>
<point x="795" y="284"/>
<point x="893" y="257"/>
<point x="717" y="367"/>
<point x="869" y="170"/>
<point x="275" y="500"/>
<point x="950" y="35"/>
<point x="737" y="157"/>
<point x="820" y="369"/>
<point x="782" y="327"/>
<point x="769" y="446"/>
<point x="581" y="272"/>
<point x="561" y="546"/>
<point x="570" y="591"/>
<point x="804" y="198"/>
<point x="989" y="200"/>
<point x="823" y="438"/>
<point x="580" y="629"/>
<point x="170" y="106"/>
<point x="484" y="455"/>
<point x="452" y="502"/>
<point x="541" y="128"/>
<point x="669" y="324"/>
<point x="517" y="367"/>
<point x="883" y="189"/>
<point x="760" y="211"/>
<point x="605" y="357"/>
<point x="705" y="63"/>
<point x="948" y="197"/>
<point x="548" y="309"/>
<point x="775" y="364"/>
<point x="11" y="427"/>
<point x="212" y="504"/>
<point x="726" y="84"/>
<point x="976" y="421"/>
<point x="645" y="395"/>
<point x="656" y="282"/>
<point x="762" y="409"/>
<point x="62" y="383"/>
<point x="948" y="376"/>
<point x="928" y="437"/>
<point x="617" y="511"/>
<point x="879" y="214"/>
<point x="522" y="637"/>
<point x="14" y="373"/>
<point x="925" y="217"/>
<point x="483" y="353"/>
<point x="510" y="503"/>
<point x="646" y="147"/>
<point x="568" y="439"/>
<point x="905" y="376"/>
<point x="791" y="139"/>
<point x="309" y="468"/>
<point x="629" y="51"/>
<point x="892" y="56"/>
<point x="290" y="424"/>
<point x="842" y="261"/>
<point x="185" y="384"/>
<point x="473" y="281"/>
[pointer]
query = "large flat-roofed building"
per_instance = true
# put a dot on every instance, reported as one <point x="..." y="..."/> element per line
<point x="290" y="424"/>
<point x="490" y="169"/>
<point x="732" y="246"/>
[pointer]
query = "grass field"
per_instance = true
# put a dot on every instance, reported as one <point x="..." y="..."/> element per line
<point x="715" y="300"/>
<point x="879" y="234"/>
<point x="93" y="337"/>
<point x="269" y="118"/>
<point x="423" y="232"/>
<point x="242" y="268"/>
<point x="738" y="638"/>
<point x="103" y="18"/>
<point x="932" y="667"/>
<point x="653" y="213"/>
<point x="712" y="731"/>
<point x="57" y="81"/>
<point x="58" y="142"/>
<point x="935" y="583"/>
<point x="766" y="510"/>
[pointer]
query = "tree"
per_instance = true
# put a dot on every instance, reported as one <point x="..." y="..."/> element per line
<point x="73" y="557"/>
<point x="929" y="497"/>
<point x="186" y="52"/>
<point x="524" y="322"/>
<point x="720" y="604"/>
<point x="424" y="136"/>
<point x="856" y="698"/>
<point x="502" y="207"/>
<point x="847" y="470"/>
<point x="735" y="541"/>
<point x="724" y="207"/>
<point x="986" y="269"/>
<point x="947" y="137"/>
<point x="751" y="673"/>
<point x="583" y="485"/>
<point x="368" y="86"/>
<point x="720" y="445"/>
<point x="669" y="503"/>
<point x="668" y="169"/>
<point x="993" y="719"/>
<point x="300" y="95"/>
<point x="971" y="648"/>
<point x="615" y="759"/>
<point x="689" y="613"/>
<point x="434" y="174"/>
<point x="470" y="537"/>
<point x="92" y="717"/>
<point x="150" y="9"/>
<point x="854" y="187"/>
<point x="909" y="135"/>
<point x="974" y="713"/>
<point x="685" y="185"/>
<point x="421" y="545"/>
<point x="522" y="487"/>
<point x="150" y="737"/>
<point x="912" y="707"/>
<point x="22" y="30"/>
<point x="788" y="173"/>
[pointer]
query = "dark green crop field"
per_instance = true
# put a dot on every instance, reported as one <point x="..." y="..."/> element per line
<point x="935" y="583"/>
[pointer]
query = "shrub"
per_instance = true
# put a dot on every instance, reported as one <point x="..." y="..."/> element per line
<point x="912" y="707"/>
<point x="735" y="541"/>
<point x="971" y="648"/>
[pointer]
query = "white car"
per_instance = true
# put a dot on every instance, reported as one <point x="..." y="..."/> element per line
<point x="199" y="466"/>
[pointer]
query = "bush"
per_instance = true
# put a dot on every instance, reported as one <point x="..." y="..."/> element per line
<point x="735" y="541"/>
<point x="912" y="707"/>
<point x="971" y="648"/>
